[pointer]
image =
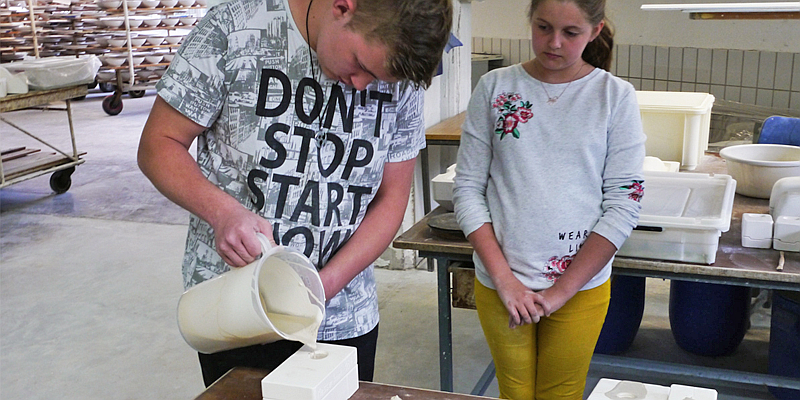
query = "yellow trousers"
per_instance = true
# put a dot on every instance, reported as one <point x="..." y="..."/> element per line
<point x="547" y="360"/>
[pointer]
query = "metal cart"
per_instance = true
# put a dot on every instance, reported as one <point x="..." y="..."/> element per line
<point x="22" y="163"/>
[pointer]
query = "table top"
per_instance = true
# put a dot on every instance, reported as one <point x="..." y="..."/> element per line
<point x="448" y="130"/>
<point x="40" y="97"/>
<point x="732" y="260"/>
<point x="245" y="384"/>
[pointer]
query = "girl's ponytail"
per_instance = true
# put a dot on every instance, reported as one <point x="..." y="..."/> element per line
<point x="598" y="52"/>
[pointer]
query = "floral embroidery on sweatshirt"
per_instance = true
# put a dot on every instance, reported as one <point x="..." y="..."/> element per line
<point x="513" y="111"/>
<point x="637" y="190"/>
<point x="556" y="266"/>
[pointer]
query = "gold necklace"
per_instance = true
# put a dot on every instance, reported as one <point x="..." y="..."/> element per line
<point x="553" y="100"/>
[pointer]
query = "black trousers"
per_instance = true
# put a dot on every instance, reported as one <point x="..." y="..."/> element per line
<point x="269" y="356"/>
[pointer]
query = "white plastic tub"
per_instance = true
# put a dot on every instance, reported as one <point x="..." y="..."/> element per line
<point x="757" y="167"/>
<point x="683" y="215"/>
<point x="676" y="125"/>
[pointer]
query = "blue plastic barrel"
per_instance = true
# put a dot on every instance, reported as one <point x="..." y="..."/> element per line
<point x="780" y="130"/>
<point x="624" y="314"/>
<point x="708" y="319"/>
<point x="784" y="341"/>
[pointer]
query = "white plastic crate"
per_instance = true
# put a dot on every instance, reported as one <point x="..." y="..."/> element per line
<point x="676" y="125"/>
<point x="683" y="215"/>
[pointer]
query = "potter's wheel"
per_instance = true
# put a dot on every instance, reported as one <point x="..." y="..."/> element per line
<point x="445" y="225"/>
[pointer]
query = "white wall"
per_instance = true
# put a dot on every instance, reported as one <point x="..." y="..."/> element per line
<point x="507" y="19"/>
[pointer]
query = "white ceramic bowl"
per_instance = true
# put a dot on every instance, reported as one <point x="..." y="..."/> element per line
<point x="137" y="60"/>
<point x="139" y="41"/>
<point x="188" y="21"/>
<point x="133" y="4"/>
<point x="155" y="40"/>
<point x="112" y="22"/>
<point x="756" y="167"/>
<point x="117" y="42"/>
<point x="154" y="59"/>
<point x="151" y="3"/>
<point x="144" y="74"/>
<point x="168" y="57"/>
<point x="135" y="22"/>
<point x="169" y="21"/>
<point x="186" y="3"/>
<point x="169" y="3"/>
<point x="173" y="39"/>
<point x="152" y="20"/>
<point x="202" y="2"/>
<point x="113" y="61"/>
<point x="110" y="4"/>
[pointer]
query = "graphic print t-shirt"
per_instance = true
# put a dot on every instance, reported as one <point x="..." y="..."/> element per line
<point x="303" y="151"/>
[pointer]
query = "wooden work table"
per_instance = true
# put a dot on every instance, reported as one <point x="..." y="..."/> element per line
<point x="735" y="265"/>
<point x="245" y="384"/>
<point x="449" y="130"/>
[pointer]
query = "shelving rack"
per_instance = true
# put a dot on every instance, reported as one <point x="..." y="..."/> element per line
<point x="151" y="30"/>
<point x="46" y="28"/>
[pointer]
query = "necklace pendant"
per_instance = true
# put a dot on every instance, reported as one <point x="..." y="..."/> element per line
<point x="552" y="100"/>
<point x="321" y="137"/>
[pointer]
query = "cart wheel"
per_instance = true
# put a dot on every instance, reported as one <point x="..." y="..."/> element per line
<point x="135" y="94"/>
<point x="60" y="181"/>
<point x="106" y="87"/>
<point x="112" y="105"/>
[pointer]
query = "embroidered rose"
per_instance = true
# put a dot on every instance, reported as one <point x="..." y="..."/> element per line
<point x="556" y="266"/>
<point x="512" y="112"/>
<point x="525" y="114"/>
<point x="636" y="190"/>
<point x="510" y="124"/>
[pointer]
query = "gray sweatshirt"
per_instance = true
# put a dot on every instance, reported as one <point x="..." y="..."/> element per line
<point x="547" y="174"/>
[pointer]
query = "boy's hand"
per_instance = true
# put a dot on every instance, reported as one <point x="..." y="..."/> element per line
<point x="235" y="236"/>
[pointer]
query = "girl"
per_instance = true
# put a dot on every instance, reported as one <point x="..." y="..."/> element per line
<point x="548" y="184"/>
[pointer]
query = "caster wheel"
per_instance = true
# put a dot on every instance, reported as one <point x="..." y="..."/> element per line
<point x="61" y="180"/>
<point x="135" y="94"/>
<point x="112" y="105"/>
<point x="106" y="87"/>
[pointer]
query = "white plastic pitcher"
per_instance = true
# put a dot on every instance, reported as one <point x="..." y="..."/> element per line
<point x="278" y="296"/>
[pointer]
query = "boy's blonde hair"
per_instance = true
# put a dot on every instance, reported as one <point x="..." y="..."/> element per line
<point x="414" y="31"/>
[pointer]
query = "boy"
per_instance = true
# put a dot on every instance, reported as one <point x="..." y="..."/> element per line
<point x="308" y="117"/>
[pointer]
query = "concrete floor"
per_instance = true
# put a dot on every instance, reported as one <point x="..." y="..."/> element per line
<point x="89" y="282"/>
